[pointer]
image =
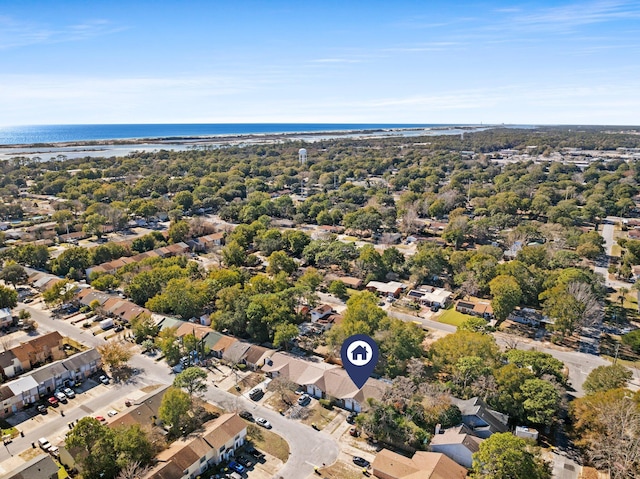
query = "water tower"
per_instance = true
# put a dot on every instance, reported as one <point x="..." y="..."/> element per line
<point x="302" y="156"/>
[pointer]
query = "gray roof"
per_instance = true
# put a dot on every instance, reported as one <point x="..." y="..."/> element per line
<point x="47" y="372"/>
<point x="6" y="359"/>
<point x="477" y="407"/>
<point x="236" y="352"/>
<point x="41" y="467"/>
<point x="76" y="361"/>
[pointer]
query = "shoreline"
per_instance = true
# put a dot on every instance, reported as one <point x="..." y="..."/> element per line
<point x="124" y="146"/>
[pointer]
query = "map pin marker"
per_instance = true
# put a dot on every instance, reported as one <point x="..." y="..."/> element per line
<point x="359" y="358"/>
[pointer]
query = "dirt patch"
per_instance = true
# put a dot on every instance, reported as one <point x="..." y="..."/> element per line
<point x="319" y="416"/>
<point x="247" y="383"/>
<point x="30" y="453"/>
<point x="340" y="470"/>
<point x="148" y="389"/>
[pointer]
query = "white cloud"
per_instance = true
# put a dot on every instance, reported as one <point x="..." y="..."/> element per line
<point x="16" y="33"/>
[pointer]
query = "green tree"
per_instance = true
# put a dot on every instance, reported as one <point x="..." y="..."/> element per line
<point x="13" y="273"/>
<point x="605" y="378"/>
<point x="506" y="296"/>
<point x="132" y="446"/>
<point x="8" y="297"/>
<point x="362" y="316"/>
<point x="60" y="292"/>
<point x="93" y="224"/>
<point x="541" y="401"/>
<point x="233" y="254"/>
<point x="174" y="407"/>
<point x="632" y="340"/>
<point x="505" y="456"/>
<point x="280" y="261"/>
<point x="193" y="380"/>
<point x="179" y="231"/>
<point x="97" y="443"/>
<point x="284" y="333"/>
<point x="339" y="289"/>
<point x="447" y="351"/>
<point x="184" y="200"/>
<point x="144" y="327"/>
<point x="476" y="325"/>
<point x="167" y="342"/>
<point x="76" y="258"/>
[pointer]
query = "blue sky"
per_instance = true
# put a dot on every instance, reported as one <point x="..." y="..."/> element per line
<point x="72" y="62"/>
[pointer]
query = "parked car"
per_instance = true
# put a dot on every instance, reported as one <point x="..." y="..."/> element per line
<point x="101" y="419"/>
<point x="112" y="413"/>
<point x="354" y="432"/>
<point x="263" y="422"/>
<point x="256" y="393"/>
<point x="304" y="400"/>
<point x="252" y="451"/>
<point x="53" y="401"/>
<point x="246" y="415"/>
<point x="103" y="379"/>
<point x="60" y="396"/>
<point x="42" y="409"/>
<point x="69" y="393"/>
<point x="45" y="445"/>
<point x="351" y="418"/>
<point x="244" y="461"/>
<point x="239" y="468"/>
<point x="359" y="461"/>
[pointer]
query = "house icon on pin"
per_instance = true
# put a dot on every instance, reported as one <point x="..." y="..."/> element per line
<point x="359" y="351"/>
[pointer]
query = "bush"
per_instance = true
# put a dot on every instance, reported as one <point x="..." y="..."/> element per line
<point x="325" y="403"/>
<point x="241" y="366"/>
<point x="86" y="325"/>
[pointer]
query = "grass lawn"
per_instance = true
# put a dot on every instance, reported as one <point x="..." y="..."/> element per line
<point x="268" y="441"/>
<point x="616" y="250"/>
<point x="319" y="416"/>
<point x="453" y="317"/>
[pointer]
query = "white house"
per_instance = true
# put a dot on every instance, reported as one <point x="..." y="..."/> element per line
<point x="457" y="443"/>
<point x="5" y="318"/>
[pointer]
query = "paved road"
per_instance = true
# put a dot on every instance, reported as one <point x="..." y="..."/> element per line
<point x="307" y="446"/>
<point x="602" y="267"/>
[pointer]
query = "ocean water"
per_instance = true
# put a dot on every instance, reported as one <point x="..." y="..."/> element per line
<point x="25" y="135"/>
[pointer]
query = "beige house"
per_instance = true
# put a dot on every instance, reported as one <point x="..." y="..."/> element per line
<point x="189" y="457"/>
<point x="423" y="465"/>
<point x="456" y="443"/>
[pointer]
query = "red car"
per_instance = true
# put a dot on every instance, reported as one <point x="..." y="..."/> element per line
<point x="53" y="401"/>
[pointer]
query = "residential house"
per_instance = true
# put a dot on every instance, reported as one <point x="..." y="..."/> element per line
<point x="221" y="345"/>
<point x="236" y="353"/>
<point x="6" y="319"/>
<point x="191" y="456"/>
<point x="478" y="308"/>
<point x="50" y="377"/>
<point x="392" y="288"/>
<point x="10" y="365"/>
<point x="206" y="243"/>
<point x="40" y="467"/>
<point x="48" y="347"/>
<point x="323" y="380"/>
<point x="256" y="356"/>
<point x="351" y="282"/>
<point x="457" y="443"/>
<point x="430" y="296"/>
<point x="478" y="417"/>
<point x="7" y="400"/>
<point x="25" y="354"/>
<point x="24" y="391"/>
<point x="144" y="411"/>
<point x="336" y="384"/>
<point x="83" y="364"/>
<point x="423" y="465"/>
<point x="320" y="312"/>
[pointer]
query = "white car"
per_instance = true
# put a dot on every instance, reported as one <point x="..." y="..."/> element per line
<point x="112" y="413"/>
<point x="263" y="422"/>
<point x="46" y="446"/>
<point x="60" y="396"/>
<point x="69" y="393"/>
